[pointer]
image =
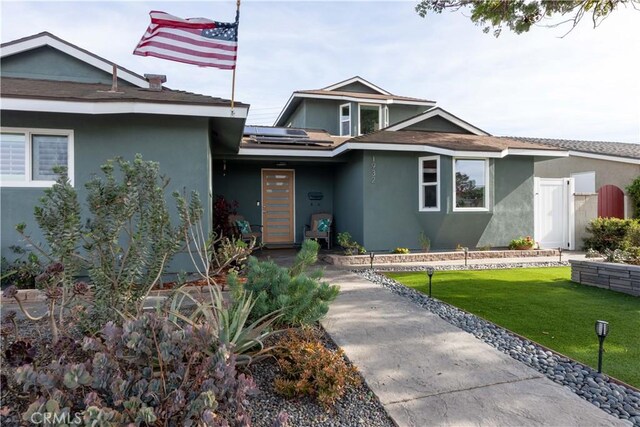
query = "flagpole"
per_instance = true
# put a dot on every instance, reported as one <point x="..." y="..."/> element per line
<point x="233" y="78"/>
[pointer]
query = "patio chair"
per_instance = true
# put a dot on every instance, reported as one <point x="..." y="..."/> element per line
<point x="245" y="229"/>
<point x="320" y="228"/>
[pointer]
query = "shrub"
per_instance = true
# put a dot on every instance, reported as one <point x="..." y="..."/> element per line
<point x="401" y="251"/>
<point x="634" y="193"/>
<point x="147" y="372"/>
<point x="126" y="243"/>
<point x="222" y="210"/>
<point x="311" y="369"/>
<point x="22" y="271"/>
<point x="606" y="233"/>
<point x="522" y="243"/>
<point x="425" y="242"/>
<point x="631" y="243"/>
<point x="350" y="246"/>
<point x="298" y="294"/>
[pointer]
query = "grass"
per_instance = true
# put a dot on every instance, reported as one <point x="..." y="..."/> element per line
<point x="544" y="305"/>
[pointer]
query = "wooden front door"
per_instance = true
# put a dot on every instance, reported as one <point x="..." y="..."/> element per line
<point x="277" y="206"/>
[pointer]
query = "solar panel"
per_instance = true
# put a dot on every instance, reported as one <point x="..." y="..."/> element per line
<point x="275" y="132"/>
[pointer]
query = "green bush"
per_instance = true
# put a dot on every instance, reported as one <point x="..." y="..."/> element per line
<point x="401" y="251"/>
<point x="522" y="243"/>
<point x="298" y="294"/>
<point x="350" y="246"/>
<point x="634" y="192"/>
<point x="631" y="243"/>
<point x="607" y="233"/>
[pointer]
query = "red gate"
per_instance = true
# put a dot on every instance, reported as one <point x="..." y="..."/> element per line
<point x="610" y="202"/>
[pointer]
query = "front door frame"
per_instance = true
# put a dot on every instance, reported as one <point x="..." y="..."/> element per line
<point x="293" y="202"/>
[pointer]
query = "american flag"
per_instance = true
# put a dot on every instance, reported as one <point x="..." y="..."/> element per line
<point x="196" y="41"/>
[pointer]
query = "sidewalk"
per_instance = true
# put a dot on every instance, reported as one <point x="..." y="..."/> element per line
<point x="427" y="372"/>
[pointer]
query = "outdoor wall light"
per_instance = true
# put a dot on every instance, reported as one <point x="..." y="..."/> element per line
<point x="602" y="330"/>
<point x="430" y="271"/>
<point x="371" y="257"/>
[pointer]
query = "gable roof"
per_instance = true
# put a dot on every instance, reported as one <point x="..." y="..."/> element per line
<point x="606" y="150"/>
<point x="439" y="112"/>
<point x="356" y="79"/>
<point x="330" y="93"/>
<point x="47" y="39"/>
<point x="26" y="94"/>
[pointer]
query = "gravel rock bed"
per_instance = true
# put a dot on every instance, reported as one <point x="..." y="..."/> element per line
<point x="618" y="400"/>
<point x="358" y="407"/>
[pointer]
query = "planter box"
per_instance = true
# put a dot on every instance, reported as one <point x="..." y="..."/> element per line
<point x="623" y="278"/>
<point x="387" y="258"/>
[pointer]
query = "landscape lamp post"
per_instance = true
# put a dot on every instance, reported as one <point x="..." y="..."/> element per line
<point x="560" y="252"/>
<point x="466" y="253"/>
<point x="430" y="274"/>
<point x="371" y="256"/>
<point x="602" y="329"/>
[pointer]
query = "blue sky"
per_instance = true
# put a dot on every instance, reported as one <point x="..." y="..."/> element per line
<point x="582" y="86"/>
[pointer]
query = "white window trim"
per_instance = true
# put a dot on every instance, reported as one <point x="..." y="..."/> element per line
<point x="28" y="132"/>
<point x="340" y="119"/>
<point x="379" y="115"/>
<point x="486" y="186"/>
<point x="421" y="184"/>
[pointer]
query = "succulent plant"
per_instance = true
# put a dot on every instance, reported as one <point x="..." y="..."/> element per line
<point x="20" y="353"/>
<point x="147" y="372"/>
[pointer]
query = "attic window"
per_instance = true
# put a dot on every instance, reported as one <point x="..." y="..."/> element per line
<point x="345" y="120"/>
<point x="369" y="118"/>
<point x="28" y="156"/>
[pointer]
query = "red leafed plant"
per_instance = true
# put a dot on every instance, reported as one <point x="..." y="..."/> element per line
<point x="222" y="209"/>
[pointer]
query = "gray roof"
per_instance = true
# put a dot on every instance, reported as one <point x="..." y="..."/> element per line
<point x="606" y="148"/>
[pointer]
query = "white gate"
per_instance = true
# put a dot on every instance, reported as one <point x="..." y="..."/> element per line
<point x="553" y="206"/>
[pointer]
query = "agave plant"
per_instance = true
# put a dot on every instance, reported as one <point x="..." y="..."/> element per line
<point x="228" y="319"/>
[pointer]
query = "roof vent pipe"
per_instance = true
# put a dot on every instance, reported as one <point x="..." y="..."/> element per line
<point x="155" y="81"/>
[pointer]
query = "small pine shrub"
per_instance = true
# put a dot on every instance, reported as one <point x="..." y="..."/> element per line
<point x="311" y="369"/>
<point x="298" y="294"/>
<point x="607" y="233"/>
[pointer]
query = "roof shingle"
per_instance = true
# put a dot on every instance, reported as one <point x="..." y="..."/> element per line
<point x="617" y="149"/>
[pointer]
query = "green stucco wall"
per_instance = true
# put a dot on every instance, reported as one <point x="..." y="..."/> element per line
<point x="398" y="112"/>
<point x="437" y="124"/>
<point x="50" y="64"/>
<point x="179" y="144"/>
<point x="392" y="219"/>
<point x="357" y="87"/>
<point x="348" y="187"/>
<point x="242" y="183"/>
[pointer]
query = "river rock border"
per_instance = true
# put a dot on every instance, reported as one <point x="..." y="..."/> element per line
<point x="617" y="399"/>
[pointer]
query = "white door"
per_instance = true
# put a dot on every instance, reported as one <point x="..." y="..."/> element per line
<point x="554" y="212"/>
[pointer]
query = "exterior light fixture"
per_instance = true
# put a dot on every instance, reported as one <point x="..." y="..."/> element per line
<point x="602" y="330"/>
<point x="430" y="271"/>
<point x="466" y="254"/>
<point x="560" y="252"/>
<point x="371" y="257"/>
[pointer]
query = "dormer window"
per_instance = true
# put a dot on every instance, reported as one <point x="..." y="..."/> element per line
<point x="369" y="118"/>
<point x="345" y="120"/>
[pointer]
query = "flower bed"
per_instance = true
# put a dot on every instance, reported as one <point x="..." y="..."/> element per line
<point x="387" y="258"/>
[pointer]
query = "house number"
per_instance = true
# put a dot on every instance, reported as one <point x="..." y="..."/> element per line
<point x="373" y="169"/>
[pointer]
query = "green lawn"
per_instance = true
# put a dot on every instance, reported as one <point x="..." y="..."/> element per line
<point x="544" y="305"/>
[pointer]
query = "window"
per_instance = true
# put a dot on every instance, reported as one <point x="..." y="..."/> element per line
<point x="471" y="177"/>
<point x="585" y="182"/>
<point x="345" y="120"/>
<point x="28" y="156"/>
<point x="369" y="118"/>
<point x="429" y="169"/>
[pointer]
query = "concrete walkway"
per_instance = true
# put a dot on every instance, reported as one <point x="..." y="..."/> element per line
<point x="427" y="372"/>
